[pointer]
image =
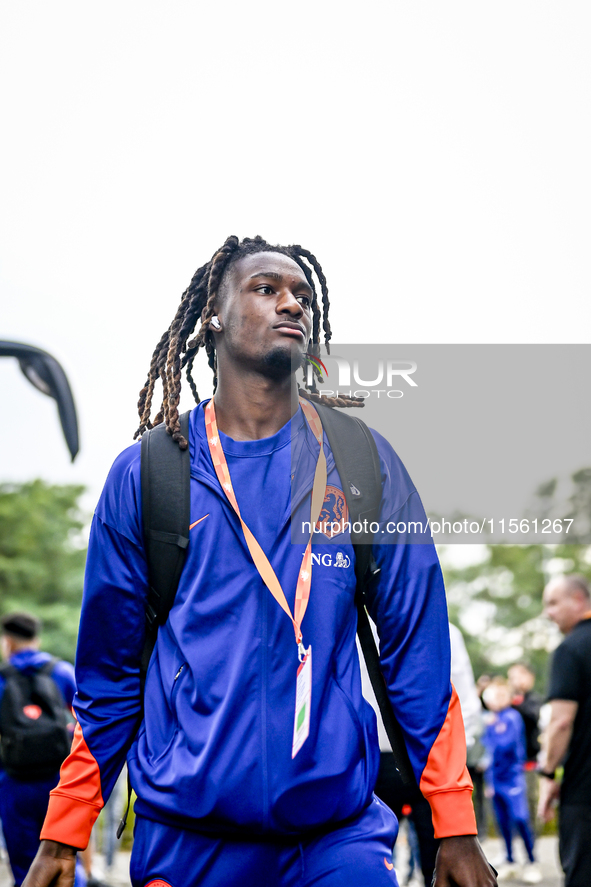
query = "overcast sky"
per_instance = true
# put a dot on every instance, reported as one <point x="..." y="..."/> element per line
<point x="434" y="156"/>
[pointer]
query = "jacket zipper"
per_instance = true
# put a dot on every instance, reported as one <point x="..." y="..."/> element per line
<point x="175" y="686"/>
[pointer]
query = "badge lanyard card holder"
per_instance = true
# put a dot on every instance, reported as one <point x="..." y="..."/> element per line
<point x="266" y="571"/>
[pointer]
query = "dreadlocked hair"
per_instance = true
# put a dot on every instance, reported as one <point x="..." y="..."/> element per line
<point x="176" y="351"/>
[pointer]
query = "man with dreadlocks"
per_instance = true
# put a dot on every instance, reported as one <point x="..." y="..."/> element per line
<point x="249" y="767"/>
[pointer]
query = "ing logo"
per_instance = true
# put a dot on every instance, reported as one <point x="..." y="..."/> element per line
<point x="326" y="560"/>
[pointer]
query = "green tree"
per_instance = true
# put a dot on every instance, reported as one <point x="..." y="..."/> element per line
<point x="42" y="556"/>
<point x="497" y="602"/>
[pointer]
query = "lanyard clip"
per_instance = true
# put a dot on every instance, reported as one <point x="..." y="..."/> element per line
<point x="302" y="652"/>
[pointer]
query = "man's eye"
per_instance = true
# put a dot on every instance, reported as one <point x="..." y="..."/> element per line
<point x="304" y="300"/>
<point x="265" y="289"/>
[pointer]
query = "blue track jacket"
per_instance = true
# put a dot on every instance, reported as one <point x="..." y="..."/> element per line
<point x="213" y="752"/>
<point x="504" y="739"/>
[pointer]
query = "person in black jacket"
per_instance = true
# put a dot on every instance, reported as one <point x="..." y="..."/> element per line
<point x="567" y="602"/>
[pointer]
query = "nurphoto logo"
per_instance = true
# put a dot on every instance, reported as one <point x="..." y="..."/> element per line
<point x="365" y="378"/>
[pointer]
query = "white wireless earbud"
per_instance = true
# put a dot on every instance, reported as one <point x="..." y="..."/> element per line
<point x="215" y="322"/>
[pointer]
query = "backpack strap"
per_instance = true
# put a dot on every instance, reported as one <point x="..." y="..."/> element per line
<point x="48" y="667"/>
<point x="7" y="670"/>
<point x="165" y="472"/>
<point x="166" y="506"/>
<point x="358" y="464"/>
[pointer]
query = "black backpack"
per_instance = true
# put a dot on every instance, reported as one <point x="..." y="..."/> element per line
<point x="165" y="480"/>
<point x="34" y="735"/>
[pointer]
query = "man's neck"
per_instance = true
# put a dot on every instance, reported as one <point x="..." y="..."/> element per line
<point x="23" y="648"/>
<point x="254" y="406"/>
<point x="584" y="617"/>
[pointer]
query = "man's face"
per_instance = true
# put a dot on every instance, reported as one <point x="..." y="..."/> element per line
<point x="562" y="606"/>
<point x="521" y="679"/>
<point x="497" y="697"/>
<point x="265" y="312"/>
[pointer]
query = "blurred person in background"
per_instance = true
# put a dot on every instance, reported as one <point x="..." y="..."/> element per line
<point x="111" y="816"/>
<point x="462" y="677"/>
<point x="408" y="801"/>
<point x="528" y="703"/>
<point x="36" y="691"/>
<point x="567" y="740"/>
<point x="405" y="801"/>
<point x="481" y="685"/>
<point x="482" y="803"/>
<point x="504" y="739"/>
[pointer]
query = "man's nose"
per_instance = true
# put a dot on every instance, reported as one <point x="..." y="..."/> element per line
<point x="288" y="304"/>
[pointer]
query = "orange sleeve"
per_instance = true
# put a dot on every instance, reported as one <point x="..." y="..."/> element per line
<point x="445" y="781"/>
<point x="75" y="803"/>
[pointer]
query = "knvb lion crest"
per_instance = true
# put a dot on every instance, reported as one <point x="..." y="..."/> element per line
<point x="334" y="515"/>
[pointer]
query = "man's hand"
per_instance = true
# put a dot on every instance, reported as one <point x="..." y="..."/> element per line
<point x="549" y="793"/>
<point x="461" y="863"/>
<point x="54" y="866"/>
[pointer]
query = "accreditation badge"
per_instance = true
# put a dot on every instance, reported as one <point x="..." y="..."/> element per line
<point x="301" y="725"/>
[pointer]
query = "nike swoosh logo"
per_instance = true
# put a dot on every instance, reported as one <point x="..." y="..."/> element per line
<point x="389" y="865"/>
<point x="198" y="521"/>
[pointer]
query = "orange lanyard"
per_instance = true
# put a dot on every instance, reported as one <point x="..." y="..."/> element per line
<point x="259" y="557"/>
